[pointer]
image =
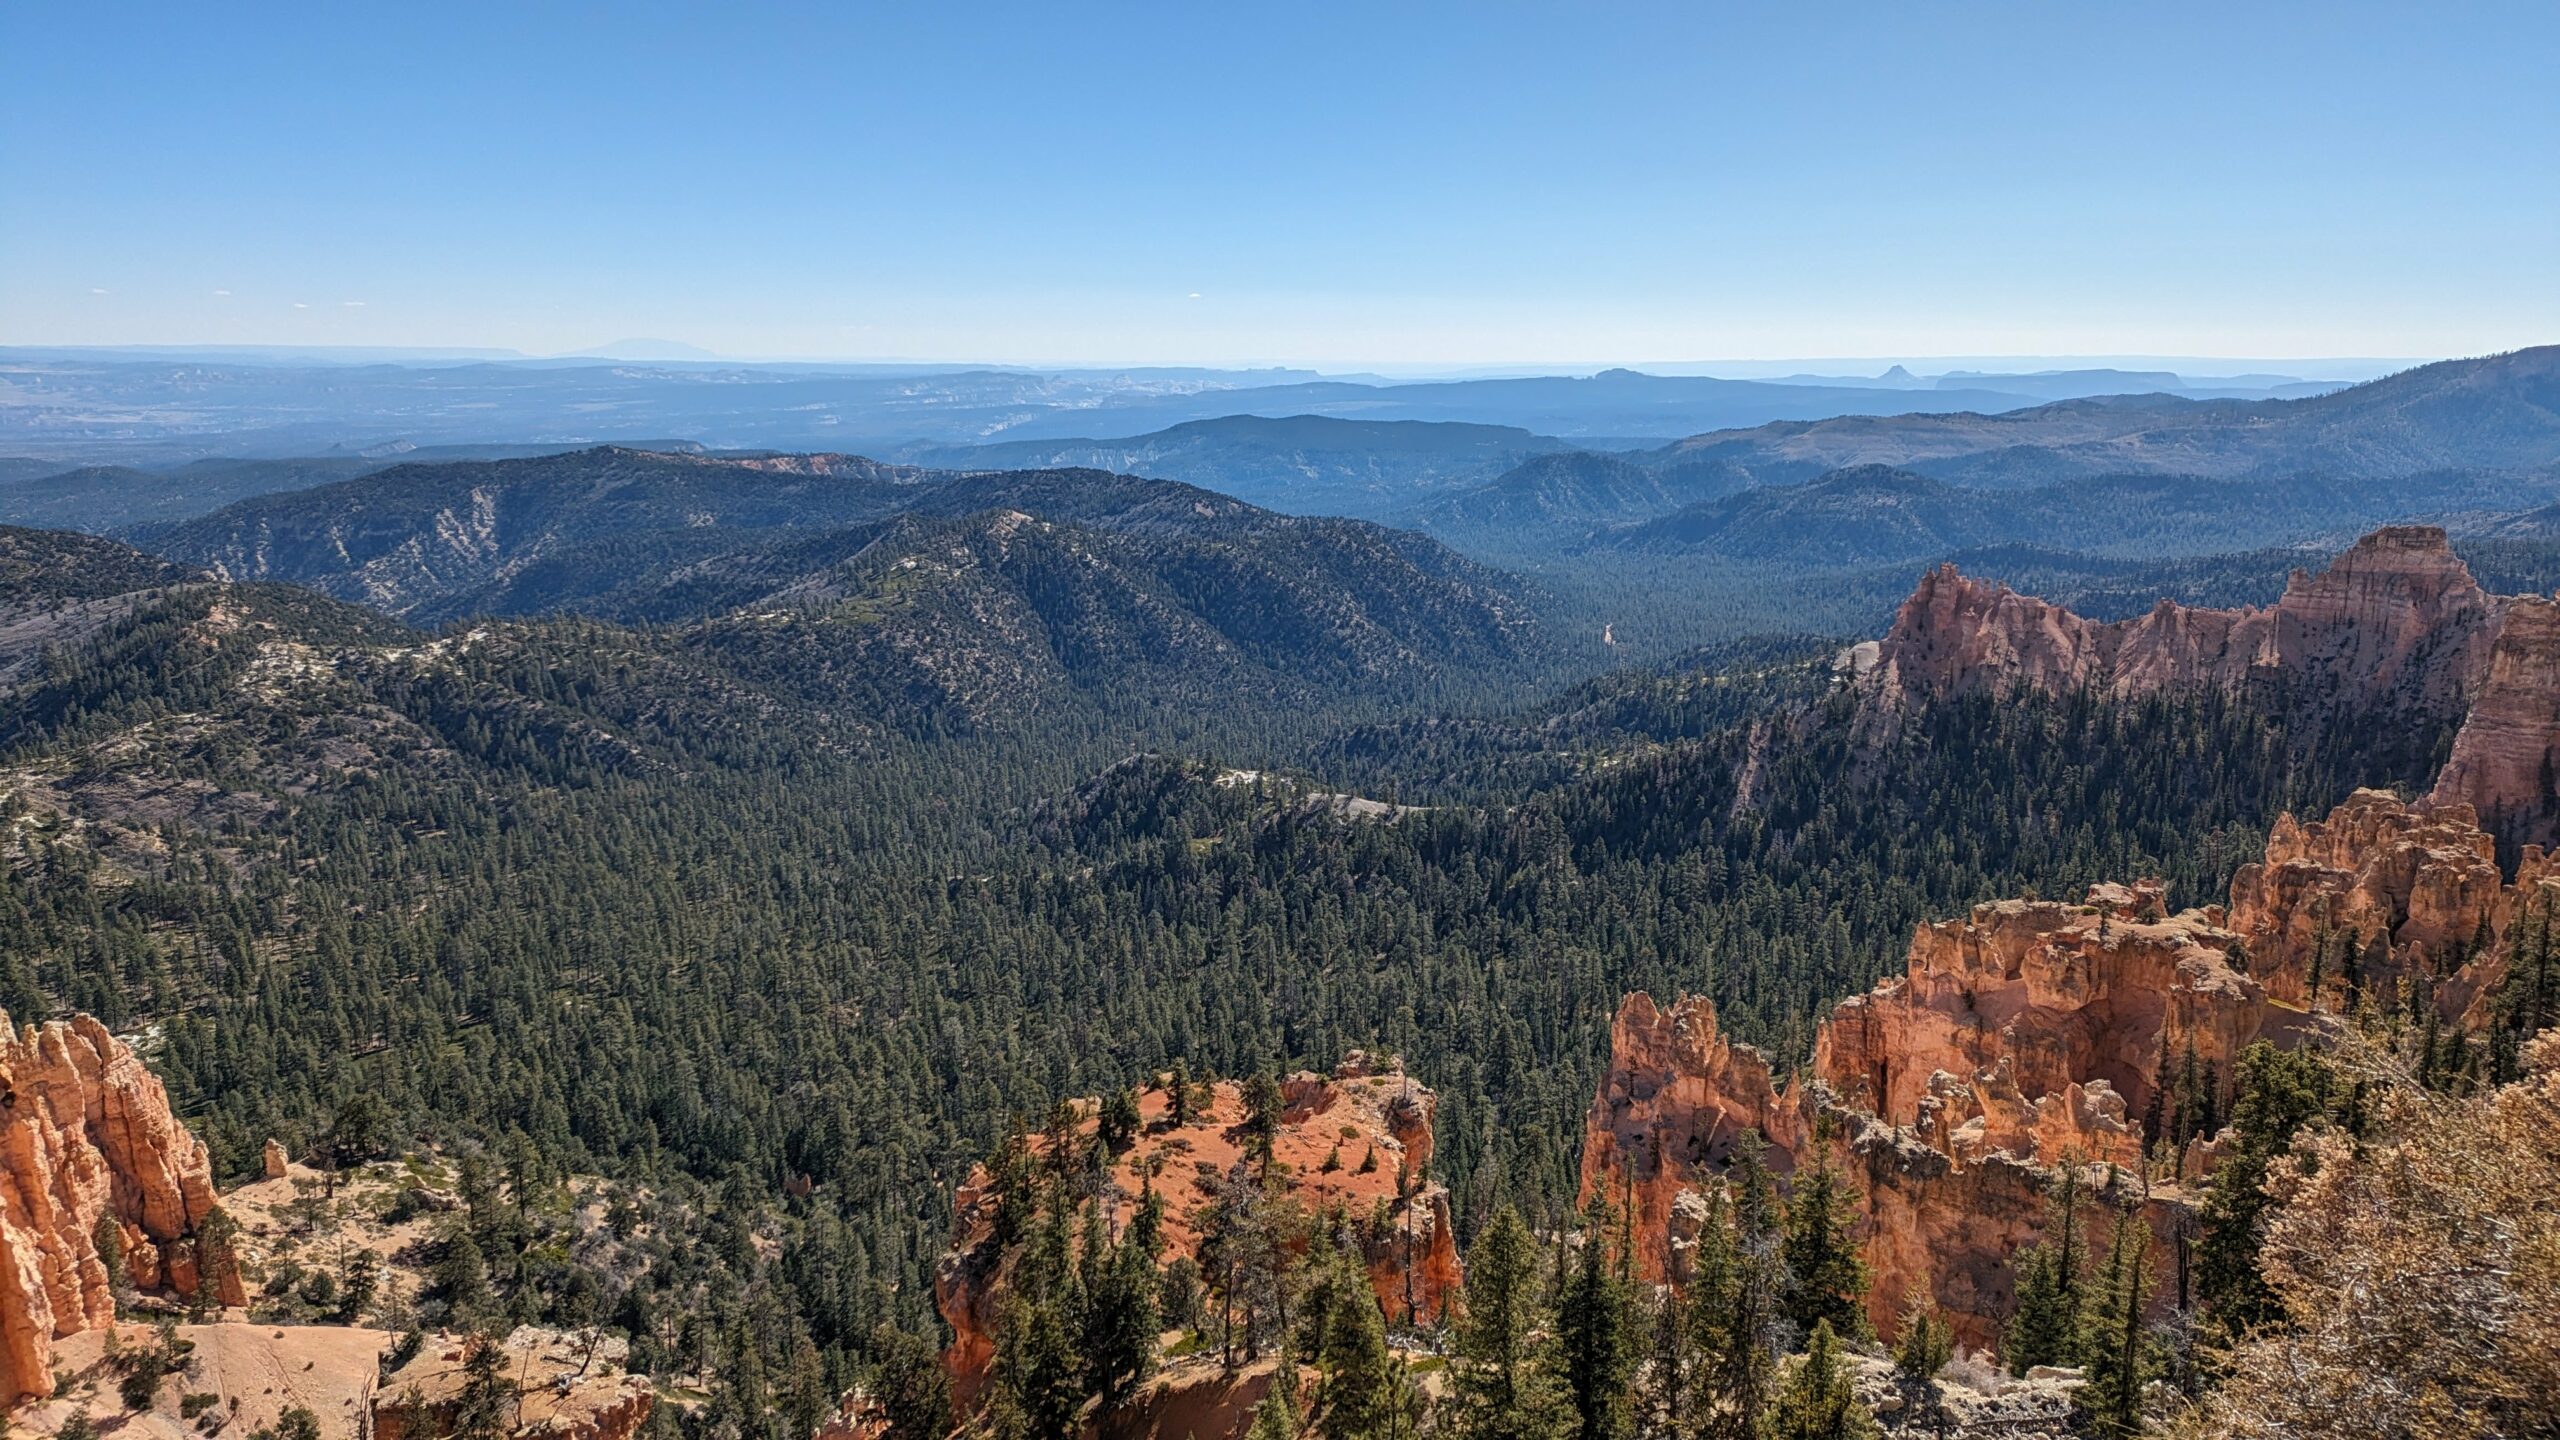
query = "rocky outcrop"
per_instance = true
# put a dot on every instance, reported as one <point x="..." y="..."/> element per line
<point x="2395" y="621"/>
<point x="568" y="1384"/>
<point x="86" y="1136"/>
<point x="2032" y="1027"/>
<point x="2395" y="631"/>
<point x="1353" y="1150"/>
<point x="2508" y="750"/>
<point x="1936" y="1222"/>
<point x="2385" y="894"/>
<point x="2038" y="1033"/>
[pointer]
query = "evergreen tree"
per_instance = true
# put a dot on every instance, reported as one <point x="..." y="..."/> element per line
<point x="1118" y="1122"/>
<point x="1504" y="1381"/>
<point x="1120" y="1322"/>
<point x="913" y="1389"/>
<point x="2276" y="1093"/>
<point x="2118" y="1350"/>
<point x="1039" y="1379"/>
<point x="484" y="1409"/>
<point x="1366" y="1394"/>
<point x="1826" y="1278"/>
<point x="1816" y="1401"/>
<point x="2045" y="1327"/>
<point x="1663" y="1399"/>
<point x="1595" y="1321"/>
<point x="1736" y="1288"/>
<point x="1922" y="1349"/>
<point x="109" y="1240"/>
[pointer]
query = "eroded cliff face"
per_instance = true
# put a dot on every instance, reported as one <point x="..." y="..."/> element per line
<point x="2394" y="632"/>
<point x="2396" y="621"/>
<point x="1678" y="1095"/>
<point x="1355" y="1144"/>
<point x="2035" y="1033"/>
<point x="86" y="1135"/>
<point x="2383" y="895"/>
<point x="2508" y="750"/>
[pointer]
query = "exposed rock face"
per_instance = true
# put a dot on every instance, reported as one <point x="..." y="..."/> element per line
<point x="1332" y="1129"/>
<point x="570" y="1385"/>
<point x="2395" y="621"/>
<point x="2032" y="1027"/>
<point x="2031" y="1032"/>
<point x="2395" y="631"/>
<point x="2405" y="893"/>
<point x="1676" y="1097"/>
<point x="2508" y="749"/>
<point x="86" y="1135"/>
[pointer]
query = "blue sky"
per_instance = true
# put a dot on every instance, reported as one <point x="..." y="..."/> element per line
<point x="1314" y="183"/>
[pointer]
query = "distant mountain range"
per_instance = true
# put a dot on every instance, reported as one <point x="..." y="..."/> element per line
<point x="157" y="408"/>
<point x="2461" y="434"/>
<point x="1305" y="464"/>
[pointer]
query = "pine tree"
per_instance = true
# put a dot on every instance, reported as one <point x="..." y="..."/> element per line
<point x="1275" y="1416"/>
<point x="1120" y="1323"/>
<point x="485" y="1407"/>
<point x="2044" y="1329"/>
<point x="1826" y="1279"/>
<point x="1662" y="1401"/>
<point x="2276" y="1093"/>
<point x="2118" y="1351"/>
<point x="1816" y="1400"/>
<point x="1595" y="1321"/>
<point x="1736" y="1286"/>
<point x="1118" y="1122"/>
<point x="1366" y="1394"/>
<point x="1505" y="1386"/>
<point x="913" y="1389"/>
<point x="1922" y="1349"/>
<point x="1040" y="1378"/>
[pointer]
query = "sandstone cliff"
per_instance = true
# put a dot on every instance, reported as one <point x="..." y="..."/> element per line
<point x="86" y="1136"/>
<point x="2397" y="620"/>
<point x="2031" y="1032"/>
<point x="1677" y="1096"/>
<point x="2404" y="894"/>
<point x="2508" y="750"/>
<point x="2395" y="631"/>
<point x="1331" y="1130"/>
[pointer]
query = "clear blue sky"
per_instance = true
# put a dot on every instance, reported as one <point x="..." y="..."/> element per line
<point x="1225" y="183"/>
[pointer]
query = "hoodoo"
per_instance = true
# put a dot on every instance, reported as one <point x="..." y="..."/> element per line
<point x="2033" y="1033"/>
<point x="1354" y="1146"/>
<point x="86" y="1136"/>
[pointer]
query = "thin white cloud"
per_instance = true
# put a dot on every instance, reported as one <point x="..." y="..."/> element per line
<point x="1195" y="294"/>
<point x="352" y="304"/>
<point x="298" y="305"/>
<point x="97" y="290"/>
<point x="221" y="292"/>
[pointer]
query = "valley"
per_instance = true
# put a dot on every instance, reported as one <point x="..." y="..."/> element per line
<point x="842" y="872"/>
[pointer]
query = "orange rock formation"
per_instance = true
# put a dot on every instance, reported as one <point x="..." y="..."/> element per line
<point x="86" y="1135"/>
<point x="2509" y="747"/>
<point x="1345" y="1118"/>
<point x="2395" y="629"/>
<point x="2396" y="619"/>
<point x="2033" y="1031"/>
<point x="2409" y="894"/>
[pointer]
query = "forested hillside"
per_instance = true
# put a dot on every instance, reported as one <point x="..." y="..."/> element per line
<point x="678" y="903"/>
